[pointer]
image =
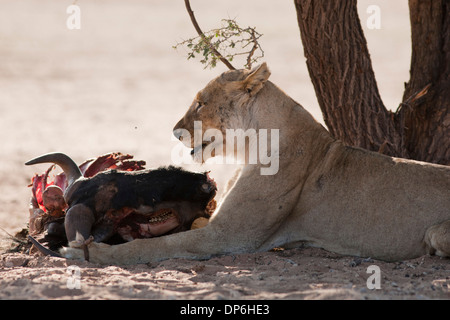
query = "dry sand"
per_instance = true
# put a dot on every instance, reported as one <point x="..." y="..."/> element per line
<point x="303" y="273"/>
<point x="117" y="85"/>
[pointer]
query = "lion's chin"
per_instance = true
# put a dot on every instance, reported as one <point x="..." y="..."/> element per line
<point x="198" y="153"/>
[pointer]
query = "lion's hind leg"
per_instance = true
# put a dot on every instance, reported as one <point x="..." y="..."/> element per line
<point x="437" y="239"/>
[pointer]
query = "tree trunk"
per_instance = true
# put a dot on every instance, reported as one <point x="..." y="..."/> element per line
<point x="426" y="121"/>
<point x="341" y="71"/>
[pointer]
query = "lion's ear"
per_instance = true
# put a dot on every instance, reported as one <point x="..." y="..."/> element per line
<point x="256" y="79"/>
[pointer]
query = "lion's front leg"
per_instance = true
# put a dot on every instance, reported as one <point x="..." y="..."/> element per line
<point x="195" y="244"/>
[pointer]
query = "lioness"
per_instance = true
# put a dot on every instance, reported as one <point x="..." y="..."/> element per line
<point x="343" y="199"/>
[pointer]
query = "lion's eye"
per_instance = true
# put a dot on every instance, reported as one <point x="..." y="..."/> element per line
<point x="199" y="105"/>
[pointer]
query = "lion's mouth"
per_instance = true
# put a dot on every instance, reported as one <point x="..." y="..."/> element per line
<point x="198" y="148"/>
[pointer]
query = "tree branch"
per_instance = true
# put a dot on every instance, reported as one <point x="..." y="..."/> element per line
<point x="202" y="35"/>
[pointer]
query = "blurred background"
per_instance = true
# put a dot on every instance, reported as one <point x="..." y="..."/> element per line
<point x="117" y="84"/>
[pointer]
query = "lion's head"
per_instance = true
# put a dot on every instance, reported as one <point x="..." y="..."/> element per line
<point x="222" y="105"/>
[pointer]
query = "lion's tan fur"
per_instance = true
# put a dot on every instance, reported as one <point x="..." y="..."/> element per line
<point x="343" y="199"/>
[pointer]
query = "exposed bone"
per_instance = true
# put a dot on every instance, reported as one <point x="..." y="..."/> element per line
<point x="199" y="223"/>
<point x="53" y="201"/>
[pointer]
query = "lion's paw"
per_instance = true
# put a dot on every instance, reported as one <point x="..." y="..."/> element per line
<point x="95" y="252"/>
<point x="72" y="253"/>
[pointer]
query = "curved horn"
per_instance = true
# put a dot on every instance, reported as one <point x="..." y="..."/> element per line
<point x="69" y="167"/>
<point x="43" y="249"/>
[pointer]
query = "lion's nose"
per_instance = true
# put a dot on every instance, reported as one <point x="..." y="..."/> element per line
<point x="177" y="130"/>
<point x="178" y="133"/>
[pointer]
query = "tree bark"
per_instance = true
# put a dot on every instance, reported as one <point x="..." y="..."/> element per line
<point x="341" y="71"/>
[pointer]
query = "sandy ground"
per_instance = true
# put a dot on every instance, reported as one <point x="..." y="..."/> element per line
<point x="117" y="85"/>
<point x="303" y="273"/>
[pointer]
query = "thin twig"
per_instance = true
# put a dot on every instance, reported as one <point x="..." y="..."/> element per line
<point x="9" y="234"/>
<point x="14" y="238"/>
<point x="202" y="35"/>
<point x="255" y="46"/>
